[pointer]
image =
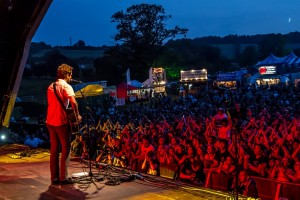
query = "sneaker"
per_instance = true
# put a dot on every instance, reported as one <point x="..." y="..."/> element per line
<point x="67" y="181"/>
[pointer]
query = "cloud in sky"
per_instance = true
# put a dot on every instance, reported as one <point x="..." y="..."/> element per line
<point x="89" y="20"/>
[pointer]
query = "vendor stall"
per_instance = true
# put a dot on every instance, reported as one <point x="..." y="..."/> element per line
<point x="193" y="80"/>
<point x="227" y="80"/>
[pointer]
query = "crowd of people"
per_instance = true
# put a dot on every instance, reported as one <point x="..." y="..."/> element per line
<point x="254" y="129"/>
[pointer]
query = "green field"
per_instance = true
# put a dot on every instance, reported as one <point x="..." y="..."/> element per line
<point x="34" y="86"/>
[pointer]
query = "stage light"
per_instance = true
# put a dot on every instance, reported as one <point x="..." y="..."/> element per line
<point x="3" y="137"/>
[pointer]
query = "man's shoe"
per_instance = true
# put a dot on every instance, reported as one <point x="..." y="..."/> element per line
<point x="55" y="182"/>
<point x="67" y="181"/>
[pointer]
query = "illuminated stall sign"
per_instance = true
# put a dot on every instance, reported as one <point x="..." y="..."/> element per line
<point x="226" y="76"/>
<point x="160" y="89"/>
<point x="226" y="80"/>
<point x="194" y="75"/>
<point x="158" y="76"/>
<point x="264" y="70"/>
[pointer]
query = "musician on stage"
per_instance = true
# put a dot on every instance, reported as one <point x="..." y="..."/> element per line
<point x="58" y="124"/>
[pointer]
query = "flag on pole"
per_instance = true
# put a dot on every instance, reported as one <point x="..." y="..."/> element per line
<point x="128" y="76"/>
<point x="151" y="76"/>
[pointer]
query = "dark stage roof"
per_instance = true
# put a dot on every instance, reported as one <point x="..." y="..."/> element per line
<point x="19" y="20"/>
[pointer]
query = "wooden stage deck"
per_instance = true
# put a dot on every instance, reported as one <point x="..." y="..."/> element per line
<point x="29" y="178"/>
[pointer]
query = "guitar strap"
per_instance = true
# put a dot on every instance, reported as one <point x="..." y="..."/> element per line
<point x="65" y="109"/>
<point x="58" y="98"/>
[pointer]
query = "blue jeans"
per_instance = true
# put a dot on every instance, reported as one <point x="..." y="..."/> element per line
<point x="59" y="135"/>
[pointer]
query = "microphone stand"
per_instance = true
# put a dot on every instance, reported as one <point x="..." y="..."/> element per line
<point x="87" y="107"/>
<point x="90" y="117"/>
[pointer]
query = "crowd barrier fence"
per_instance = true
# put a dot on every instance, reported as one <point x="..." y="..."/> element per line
<point x="268" y="189"/>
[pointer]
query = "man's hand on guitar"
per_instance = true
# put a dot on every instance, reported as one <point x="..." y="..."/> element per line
<point x="79" y="119"/>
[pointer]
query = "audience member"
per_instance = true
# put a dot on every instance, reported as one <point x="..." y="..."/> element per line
<point x="33" y="141"/>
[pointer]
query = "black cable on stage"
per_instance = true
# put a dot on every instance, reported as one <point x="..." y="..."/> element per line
<point x="114" y="176"/>
<point x="85" y="181"/>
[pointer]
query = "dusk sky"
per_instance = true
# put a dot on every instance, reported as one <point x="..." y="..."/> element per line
<point x="89" y="20"/>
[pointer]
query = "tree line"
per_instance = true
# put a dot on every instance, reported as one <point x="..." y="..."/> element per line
<point x="143" y="41"/>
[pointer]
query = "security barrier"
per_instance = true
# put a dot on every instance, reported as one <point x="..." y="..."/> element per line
<point x="272" y="189"/>
<point x="218" y="181"/>
<point x="268" y="189"/>
<point x="169" y="171"/>
<point x="289" y="191"/>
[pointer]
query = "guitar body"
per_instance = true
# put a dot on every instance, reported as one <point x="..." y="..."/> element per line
<point x="71" y="116"/>
<point x="72" y="120"/>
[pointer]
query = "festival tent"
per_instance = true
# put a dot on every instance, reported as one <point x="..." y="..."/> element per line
<point x="122" y="89"/>
<point x="147" y="83"/>
<point x="290" y="57"/>
<point x="270" y="60"/>
<point x="87" y="89"/>
<point x="295" y="63"/>
<point x="274" y="60"/>
<point x="136" y="84"/>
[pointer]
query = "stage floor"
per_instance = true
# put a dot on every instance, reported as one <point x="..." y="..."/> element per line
<point x="29" y="178"/>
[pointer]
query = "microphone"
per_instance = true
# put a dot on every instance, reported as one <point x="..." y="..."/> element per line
<point x="76" y="81"/>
